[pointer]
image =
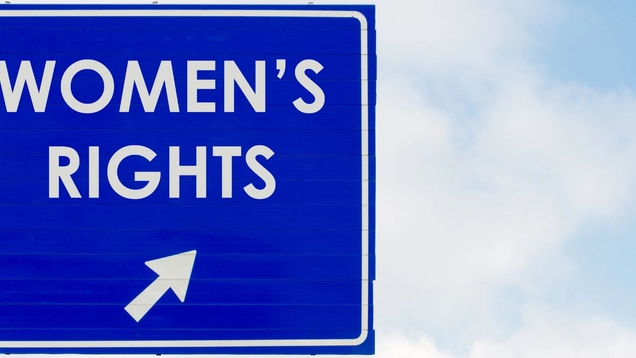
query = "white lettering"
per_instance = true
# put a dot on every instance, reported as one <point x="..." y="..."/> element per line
<point x="198" y="170"/>
<point x="152" y="178"/>
<point x="258" y="169"/>
<point x="253" y="91"/>
<point x="226" y="154"/>
<point x="195" y="84"/>
<point x="311" y="86"/>
<point x="93" y="172"/>
<point x="63" y="173"/>
<point x="39" y="96"/>
<point x="134" y="77"/>
<point x="255" y="96"/>
<point x="107" y="92"/>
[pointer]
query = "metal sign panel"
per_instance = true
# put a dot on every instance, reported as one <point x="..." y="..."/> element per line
<point x="187" y="179"/>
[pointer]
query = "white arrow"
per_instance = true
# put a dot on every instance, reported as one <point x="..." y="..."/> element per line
<point x="174" y="272"/>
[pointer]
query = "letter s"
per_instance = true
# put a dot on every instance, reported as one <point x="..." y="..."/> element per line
<point x="258" y="169"/>
<point x="311" y="86"/>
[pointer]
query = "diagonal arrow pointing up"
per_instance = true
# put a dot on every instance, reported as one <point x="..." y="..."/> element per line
<point x="174" y="273"/>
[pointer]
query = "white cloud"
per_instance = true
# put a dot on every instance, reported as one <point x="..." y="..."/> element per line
<point x="438" y="35"/>
<point x="546" y="333"/>
<point x="398" y="345"/>
<point x="554" y="334"/>
<point x="485" y="166"/>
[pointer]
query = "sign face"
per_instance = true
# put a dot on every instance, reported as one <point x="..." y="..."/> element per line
<point x="187" y="179"/>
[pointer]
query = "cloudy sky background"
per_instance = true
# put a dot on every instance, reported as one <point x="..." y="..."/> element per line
<point x="506" y="132"/>
<point x="506" y="195"/>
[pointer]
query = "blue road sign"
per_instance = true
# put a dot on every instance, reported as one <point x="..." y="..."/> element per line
<point x="187" y="179"/>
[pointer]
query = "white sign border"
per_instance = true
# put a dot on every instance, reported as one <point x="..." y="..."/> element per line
<point x="365" y="177"/>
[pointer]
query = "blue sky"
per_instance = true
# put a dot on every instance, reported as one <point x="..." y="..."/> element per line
<point x="506" y="184"/>
<point x="523" y="113"/>
<point x="592" y="44"/>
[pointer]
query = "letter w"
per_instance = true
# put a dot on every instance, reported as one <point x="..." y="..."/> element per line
<point x="39" y="96"/>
